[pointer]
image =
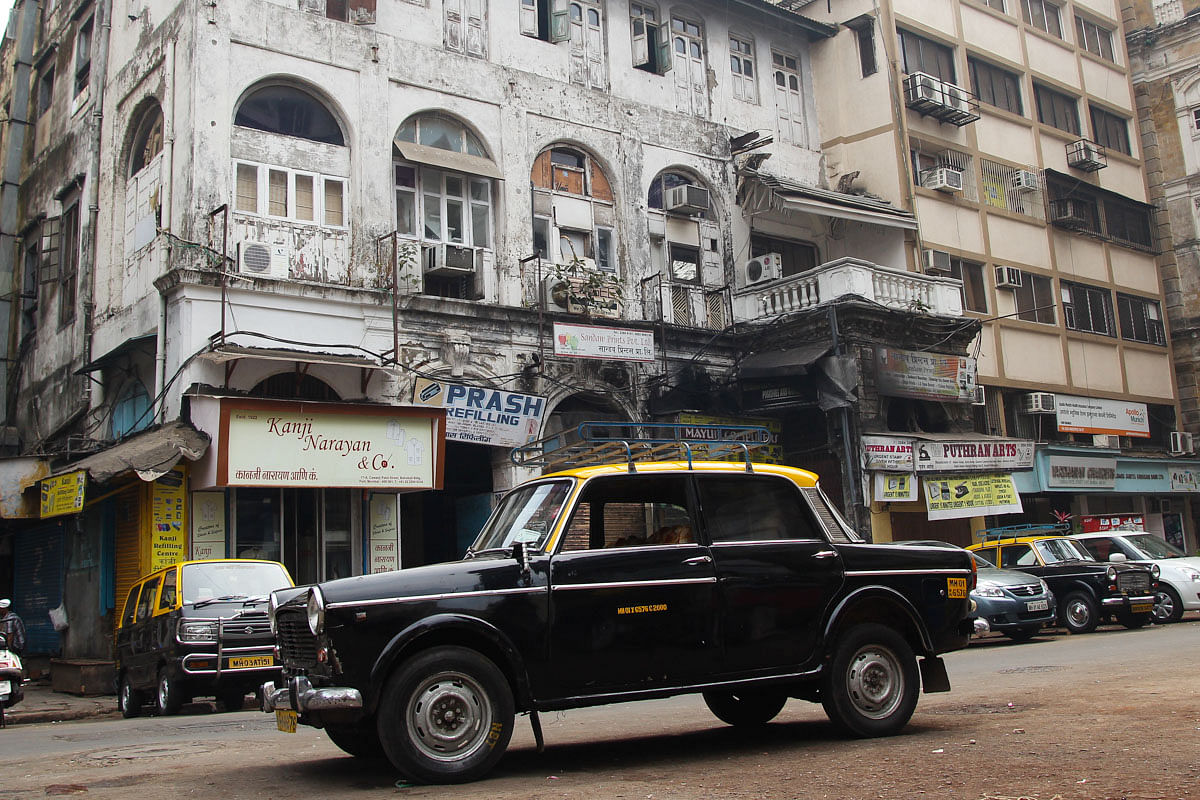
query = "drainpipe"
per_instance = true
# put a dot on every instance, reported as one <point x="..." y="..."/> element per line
<point x="165" y="203"/>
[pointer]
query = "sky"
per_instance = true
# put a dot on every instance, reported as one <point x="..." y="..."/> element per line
<point x="5" y="8"/>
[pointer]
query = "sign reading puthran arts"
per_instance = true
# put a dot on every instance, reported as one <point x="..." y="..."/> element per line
<point x="278" y="443"/>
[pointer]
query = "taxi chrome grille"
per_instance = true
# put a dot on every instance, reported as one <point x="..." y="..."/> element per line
<point x="297" y="645"/>
<point x="1027" y="590"/>
<point x="1134" y="582"/>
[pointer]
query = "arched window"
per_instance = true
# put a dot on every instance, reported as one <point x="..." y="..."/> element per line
<point x="147" y="140"/>
<point x="661" y="197"/>
<point x="131" y="411"/>
<point x="295" y="386"/>
<point x="289" y="111"/>
<point x="684" y="233"/>
<point x="572" y="209"/>
<point x="142" y="217"/>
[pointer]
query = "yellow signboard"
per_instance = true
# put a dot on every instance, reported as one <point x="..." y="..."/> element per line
<point x="959" y="496"/>
<point x="168" y="515"/>
<point x="63" y="494"/>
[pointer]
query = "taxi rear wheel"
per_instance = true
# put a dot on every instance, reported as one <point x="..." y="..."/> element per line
<point x="870" y="687"/>
<point x="745" y="708"/>
<point x="129" y="699"/>
<point x="169" y="697"/>
<point x="446" y="716"/>
<point x="360" y="740"/>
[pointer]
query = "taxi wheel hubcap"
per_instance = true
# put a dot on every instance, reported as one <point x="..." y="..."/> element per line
<point x="449" y="716"/>
<point x="1078" y="613"/>
<point x="875" y="681"/>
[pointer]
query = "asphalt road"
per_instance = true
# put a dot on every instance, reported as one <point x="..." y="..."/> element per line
<point x="1060" y="716"/>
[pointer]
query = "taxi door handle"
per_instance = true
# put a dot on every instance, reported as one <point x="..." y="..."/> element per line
<point x="825" y="554"/>
<point x="698" y="560"/>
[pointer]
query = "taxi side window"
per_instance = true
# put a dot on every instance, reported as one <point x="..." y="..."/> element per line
<point x="740" y="508"/>
<point x="130" y="606"/>
<point x="631" y="511"/>
<point x="166" y="600"/>
<point x="146" y="598"/>
<point x="1017" y="555"/>
<point x="989" y="553"/>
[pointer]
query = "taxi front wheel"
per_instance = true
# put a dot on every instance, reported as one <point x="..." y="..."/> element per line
<point x="870" y="687"/>
<point x="446" y="716"/>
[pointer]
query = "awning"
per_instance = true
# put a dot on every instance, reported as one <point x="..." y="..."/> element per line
<point x="762" y="192"/>
<point x="125" y="348"/>
<point x="232" y="352"/>
<point x="448" y="159"/>
<point x="790" y="363"/>
<point x="151" y="454"/>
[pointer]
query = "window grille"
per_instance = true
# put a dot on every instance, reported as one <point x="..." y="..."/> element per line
<point x="997" y="181"/>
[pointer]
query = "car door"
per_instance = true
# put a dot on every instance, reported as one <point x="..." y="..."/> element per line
<point x="145" y="662"/>
<point x="776" y="571"/>
<point x="633" y="594"/>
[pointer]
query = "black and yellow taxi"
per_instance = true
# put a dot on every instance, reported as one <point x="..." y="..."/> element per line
<point x="1087" y="591"/>
<point x="198" y="628"/>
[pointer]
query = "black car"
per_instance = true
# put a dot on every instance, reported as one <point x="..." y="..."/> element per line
<point x="1087" y="591"/>
<point x="614" y="583"/>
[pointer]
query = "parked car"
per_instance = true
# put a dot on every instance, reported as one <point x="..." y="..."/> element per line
<point x="624" y="582"/>
<point x="199" y="628"/>
<point x="1086" y="590"/>
<point x="1179" y="573"/>
<point x="1009" y="601"/>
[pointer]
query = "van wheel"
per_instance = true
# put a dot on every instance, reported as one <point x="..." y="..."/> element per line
<point x="359" y="739"/>
<point x="129" y="699"/>
<point x="169" y="697"/>
<point x="1079" y="613"/>
<point x="745" y="707"/>
<point x="870" y="687"/>
<point x="446" y="716"/>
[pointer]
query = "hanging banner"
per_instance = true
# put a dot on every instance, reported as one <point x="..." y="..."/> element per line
<point x="611" y="344"/>
<point x="960" y="496"/>
<point x="384" y="534"/>
<point x="887" y="453"/>
<point x="63" y="494"/>
<point x="895" y="488"/>
<point x="973" y="456"/>
<point x="208" y="525"/>
<point x="1097" y="415"/>
<point x="925" y="376"/>
<point x="168" y="513"/>
<point x="1081" y="473"/>
<point x="483" y="416"/>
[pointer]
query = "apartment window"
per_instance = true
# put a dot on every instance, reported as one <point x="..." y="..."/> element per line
<point x="69" y="271"/>
<point x="919" y="54"/>
<point x="573" y="207"/>
<point x="587" y="44"/>
<point x="83" y="56"/>
<point x="1141" y="319"/>
<point x="1034" y="299"/>
<point x="289" y="194"/>
<point x="685" y="263"/>
<point x="1042" y="15"/>
<point x="789" y="99"/>
<point x="997" y="5"/>
<point x="795" y="256"/>
<point x="1110" y="130"/>
<point x="1094" y="38"/>
<point x="1056" y="109"/>
<point x="662" y="184"/>
<point x="690" y="69"/>
<point x="360" y="12"/>
<point x="974" y="291"/>
<point x="995" y="86"/>
<point x="864" y="37"/>
<point x="45" y="91"/>
<point x="545" y="19"/>
<point x="1196" y="121"/>
<point x="741" y="66"/>
<point x="651" y="45"/>
<point x="30" y="258"/>
<point x="142" y="208"/>
<point x="1087" y="309"/>
<point x="466" y="27"/>
<point x="289" y="111"/>
<point x="1127" y="221"/>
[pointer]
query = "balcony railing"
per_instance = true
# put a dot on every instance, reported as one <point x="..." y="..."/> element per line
<point x="905" y="291"/>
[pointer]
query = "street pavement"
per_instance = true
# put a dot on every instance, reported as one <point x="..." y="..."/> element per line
<point x="43" y="704"/>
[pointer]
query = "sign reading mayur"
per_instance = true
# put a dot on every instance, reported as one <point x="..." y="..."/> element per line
<point x="483" y="416"/>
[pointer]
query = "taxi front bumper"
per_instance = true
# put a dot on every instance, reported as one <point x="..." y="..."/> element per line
<point x="300" y="696"/>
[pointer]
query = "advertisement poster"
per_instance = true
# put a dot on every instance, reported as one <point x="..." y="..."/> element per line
<point x="1081" y="473"/>
<point x="483" y="416"/>
<point x="63" y="494"/>
<point x="1096" y="415"/>
<point x="973" y="456"/>
<point x="771" y="454"/>
<point x="384" y="539"/>
<point x="895" y="487"/>
<point x="208" y="525"/>
<point x="1092" y="523"/>
<point x="1185" y="479"/>
<point x="925" y="376"/>
<point x="168" y="515"/>
<point x="887" y="453"/>
<point x="612" y="344"/>
<point x="960" y="496"/>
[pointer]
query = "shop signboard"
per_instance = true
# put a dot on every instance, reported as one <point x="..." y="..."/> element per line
<point x="609" y="344"/>
<point x="893" y="487"/>
<point x="961" y="496"/>
<point x="384" y="533"/>
<point x="698" y="425"/>
<point x="1081" y="473"/>
<point x="208" y="525"/>
<point x="63" y="494"/>
<point x="1091" y="523"/>
<point x="327" y="445"/>
<point x="991" y="455"/>
<point x="925" y="376"/>
<point x="1185" y="479"/>
<point x="887" y="453"/>
<point x="168" y="517"/>
<point x="483" y="416"/>
<point x="1098" y="415"/>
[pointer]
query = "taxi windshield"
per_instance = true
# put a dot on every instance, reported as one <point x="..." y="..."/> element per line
<point x="526" y="515"/>
<point x="1056" y="551"/>
<point x="220" y="581"/>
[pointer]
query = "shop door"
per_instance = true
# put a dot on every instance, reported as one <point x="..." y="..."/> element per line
<point x="38" y="584"/>
<point x="309" y="530"/>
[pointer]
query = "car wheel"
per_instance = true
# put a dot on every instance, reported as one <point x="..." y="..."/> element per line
<point x="233" y="700"/>
<point x="870" y="687"/>
<point x="745" y="708"/>
<point x="360" y="740"/>
<point x="129" y="699"/>
<point x="168" y="699"/>
<point x="1168" y="606"/>
<point x="446" y="716"/>
<point x="1134" y="621"/>
<point x="1079" y="613"/>
<point x="1021" y="634"/>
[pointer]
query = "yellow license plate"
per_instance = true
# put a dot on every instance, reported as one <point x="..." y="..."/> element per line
<point x="285" y="720"/>
<point x="250" y="662"/>
<point x="1141" y="608"/>
<point x="956" y="588"/>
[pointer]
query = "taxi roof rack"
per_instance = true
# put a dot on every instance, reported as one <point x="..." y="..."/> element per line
<point x="606" y="442"/>
<point x="1013" y="531"/>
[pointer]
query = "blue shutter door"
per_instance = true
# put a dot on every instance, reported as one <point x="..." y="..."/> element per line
<point x="38" y="585"/>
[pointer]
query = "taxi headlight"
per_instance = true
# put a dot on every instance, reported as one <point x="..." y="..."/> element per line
<point x="272" y="605"/>
<point x="198" y="630"/>
<point x="1112" y="573"/>
<point x="316" y="611"/>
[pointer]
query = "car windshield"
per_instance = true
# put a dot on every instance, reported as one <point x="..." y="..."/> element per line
<point x="214" y="581"/>
<point x="1150" y="546"/>
<point x="1056" y="551"/>
<point x="526" y="515"/>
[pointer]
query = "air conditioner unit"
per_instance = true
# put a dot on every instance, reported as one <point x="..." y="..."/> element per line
<point x="1105" y="440"/>
<point x="956" y="97"/>
<point x="1009" y="278"/>
<point x="1037" y="403"/>
<point x="979" y="396"/>
<point x="767" y="267"/>
<point x="560" y="294"/>
<point x="687" y="199"/>
<point x="1086" y="155"/>
<point x="264" y="260"/>
<point x="449" y="259"/>
<point x="921" y="87"/>
<point x="943" y="179"/>
<point x="1024" y="180"/>
<point x="1182" y="443"/>
<point x="937" y="262"/>
<point x="1068" y="212"/>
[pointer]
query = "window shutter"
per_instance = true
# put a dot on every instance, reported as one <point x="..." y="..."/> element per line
<point x="48" y="266"/>
<point x="712" y="271"/>
<point x="664" y="53"/>
<point x="529" y="18"/>
<point x="476" y="39"/>
<point x="641" y="45"/>
<point x="362" y="12"/>
<point x="454" y="25"/>
<point x="560" y="25"/>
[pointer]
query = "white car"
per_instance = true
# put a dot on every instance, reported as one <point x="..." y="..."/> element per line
<point x="1179" y="583"/>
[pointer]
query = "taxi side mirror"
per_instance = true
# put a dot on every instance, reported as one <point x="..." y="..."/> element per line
<point x="520" y="554"/>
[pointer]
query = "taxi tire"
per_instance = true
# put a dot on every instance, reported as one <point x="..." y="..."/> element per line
<point x="1134" y="621"/>
<point x="447" y="675"/>
<point x="129" y="699"/>
<point x="745" y="708"/>
<point x="168" y="694"/>
<point x="360" y="739"/>
<point x="867" y="659"/>
<point x="1079" y="614"/>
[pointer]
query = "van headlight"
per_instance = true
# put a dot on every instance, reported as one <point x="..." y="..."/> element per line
<point x="198" y="630"/>
<point x="316" y="611"/>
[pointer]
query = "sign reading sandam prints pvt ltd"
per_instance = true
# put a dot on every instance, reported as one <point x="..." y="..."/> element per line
<point x="483" y="416"/>
<point x="960" y="496"/>
<point x="1097" y="415"/>
<point x="973" y="456"/>
<point x="1081" y="473"/>
<point x="925" y="376"/>
<point x="611" y="344"/>
<point x="63" y="494"/>
<point x="280" y="443"/>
